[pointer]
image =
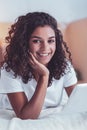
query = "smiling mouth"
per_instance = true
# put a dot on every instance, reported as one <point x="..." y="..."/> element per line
<point x="44" y="54"/>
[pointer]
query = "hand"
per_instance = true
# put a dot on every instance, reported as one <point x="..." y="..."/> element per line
<point x="37" y="66"/>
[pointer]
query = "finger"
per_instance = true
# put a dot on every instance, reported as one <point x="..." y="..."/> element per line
<point x="32" y="57"/>
<point x="32" y="62"/>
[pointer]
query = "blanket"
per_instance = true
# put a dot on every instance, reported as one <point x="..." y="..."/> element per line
<point x="72" y="116"/>
<point x="54" y="121"/>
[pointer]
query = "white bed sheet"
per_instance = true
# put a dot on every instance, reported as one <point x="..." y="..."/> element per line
<point x="50" y="119"/>
<point x="57" y="121"/>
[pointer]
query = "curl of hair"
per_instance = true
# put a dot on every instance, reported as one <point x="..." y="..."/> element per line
<point x="17" y="51"/>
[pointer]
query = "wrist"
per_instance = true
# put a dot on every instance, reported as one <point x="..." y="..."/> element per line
<point x="44" y="77"/>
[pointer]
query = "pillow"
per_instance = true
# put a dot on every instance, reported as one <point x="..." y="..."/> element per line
<point x="77" y="100"/>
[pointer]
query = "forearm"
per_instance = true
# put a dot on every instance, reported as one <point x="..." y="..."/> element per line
<point x="32" y="109"/>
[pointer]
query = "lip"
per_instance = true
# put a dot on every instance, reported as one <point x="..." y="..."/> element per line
<point x="45" y="54"/>
<point x="44" y="57"/>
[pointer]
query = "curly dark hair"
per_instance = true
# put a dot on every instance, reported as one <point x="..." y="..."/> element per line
<point x="17" y="50"/>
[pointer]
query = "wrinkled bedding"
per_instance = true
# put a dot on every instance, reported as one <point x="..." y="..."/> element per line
<point x="72" y="116"/>
<point x="54" y="121"/>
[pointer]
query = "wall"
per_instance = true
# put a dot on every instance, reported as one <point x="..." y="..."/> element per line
<point x="62" y="10"/>
<point x="76" y="37"/>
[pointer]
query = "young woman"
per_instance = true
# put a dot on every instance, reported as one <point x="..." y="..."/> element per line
<point x="36" y="69"/>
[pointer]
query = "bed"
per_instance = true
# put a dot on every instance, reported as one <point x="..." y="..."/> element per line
<point x="72" y="116"/>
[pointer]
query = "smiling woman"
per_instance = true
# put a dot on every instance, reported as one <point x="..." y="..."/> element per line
<point x="36" y="70"/>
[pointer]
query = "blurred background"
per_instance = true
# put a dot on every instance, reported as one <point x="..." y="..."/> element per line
<point x="63" y="10"/>
<point x="72" y="20"/>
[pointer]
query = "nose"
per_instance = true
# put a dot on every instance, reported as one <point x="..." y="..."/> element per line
<point x="45" y="46"/>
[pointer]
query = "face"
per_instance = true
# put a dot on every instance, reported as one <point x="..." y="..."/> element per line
<point x="42" y="44"/>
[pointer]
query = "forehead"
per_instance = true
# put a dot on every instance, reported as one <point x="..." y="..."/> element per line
<point x="45" y="30"/>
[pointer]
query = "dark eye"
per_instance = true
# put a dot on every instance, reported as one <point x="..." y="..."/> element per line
<point x="36" y="41"/>
<point x="51" y="41"/>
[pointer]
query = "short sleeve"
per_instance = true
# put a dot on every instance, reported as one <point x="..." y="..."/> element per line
<point x="70" y="77"/>
<point x="8" y="83"/>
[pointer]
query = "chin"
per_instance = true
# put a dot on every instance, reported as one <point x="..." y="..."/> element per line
<point x="44" y="63"/>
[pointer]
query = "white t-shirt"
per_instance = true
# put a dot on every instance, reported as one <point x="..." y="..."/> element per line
<point x="10" y="84"/>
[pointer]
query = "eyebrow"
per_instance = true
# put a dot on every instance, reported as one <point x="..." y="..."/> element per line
<point x="41" y="38"/>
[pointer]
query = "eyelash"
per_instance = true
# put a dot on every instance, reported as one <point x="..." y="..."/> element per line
<point x="51" y="41"/>
<point x="36" y="41"/>
<point x="39" y="41"/>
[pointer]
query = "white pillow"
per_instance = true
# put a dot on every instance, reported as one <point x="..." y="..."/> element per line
<point x="77" y="101"/>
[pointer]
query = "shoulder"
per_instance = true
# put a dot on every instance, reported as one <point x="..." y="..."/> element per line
<point x="8" y="82"/>
<point x="70" y="77"/>
<point x="6" y="73"/>
<point x="8" y="76"/>
<point x="69" y="67"/>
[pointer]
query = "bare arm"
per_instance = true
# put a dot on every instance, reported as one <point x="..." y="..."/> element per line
<point x="25" y="109"/>
<point x="70" y="89"/>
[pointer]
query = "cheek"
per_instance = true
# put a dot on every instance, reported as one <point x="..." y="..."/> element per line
<point x="54" y="48"/>
<point x="33" y="49"/>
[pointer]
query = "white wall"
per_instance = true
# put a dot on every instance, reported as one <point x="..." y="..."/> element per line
<point x="62" y="10"/>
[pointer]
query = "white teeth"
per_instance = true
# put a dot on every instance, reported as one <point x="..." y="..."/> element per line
<point x="44" y="54"/>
